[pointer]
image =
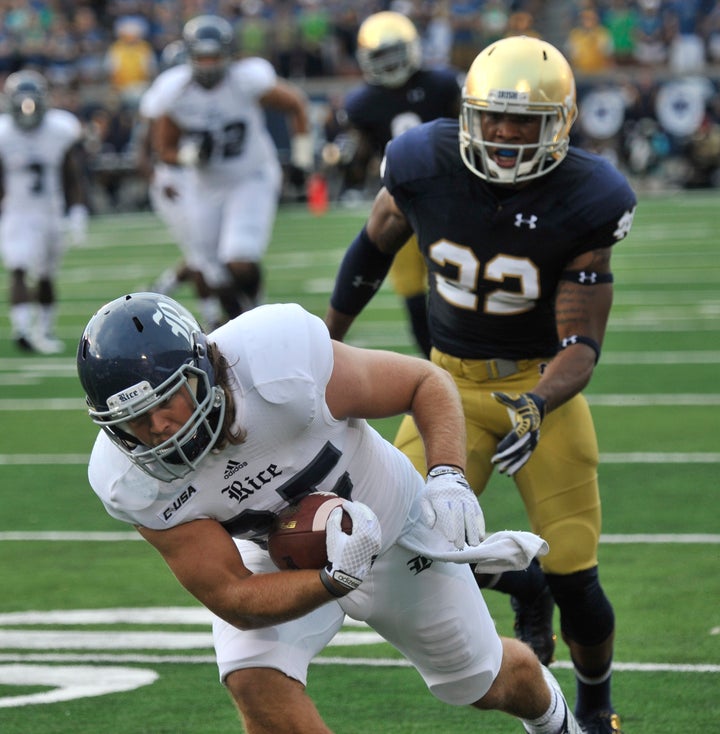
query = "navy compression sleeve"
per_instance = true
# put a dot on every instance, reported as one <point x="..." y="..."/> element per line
<point x="361" y="273"/>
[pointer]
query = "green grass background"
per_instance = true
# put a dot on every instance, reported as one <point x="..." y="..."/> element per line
<point x="655" y="401"/>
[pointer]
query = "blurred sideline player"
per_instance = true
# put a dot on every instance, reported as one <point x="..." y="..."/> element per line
<point x="43" y="199"/>
<point x="398" y="94"/>
<point x="517" y="229"/>
<point x="210" y="118"/>
<point x="170" y="196"/>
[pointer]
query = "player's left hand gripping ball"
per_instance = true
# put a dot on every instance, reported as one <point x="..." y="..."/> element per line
<point x="526" y="412"/>
<point x="351" y="555"/>
<point x="449" y="503"/>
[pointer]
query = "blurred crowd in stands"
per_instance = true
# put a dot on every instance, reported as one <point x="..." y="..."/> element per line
<point x="648" y="70"/>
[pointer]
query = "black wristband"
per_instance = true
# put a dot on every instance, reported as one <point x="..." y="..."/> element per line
<point x="568" y="341"/>
<point x="361" y="273"/>
<point x="330" y="586"/>
<point x="586" y="277"/>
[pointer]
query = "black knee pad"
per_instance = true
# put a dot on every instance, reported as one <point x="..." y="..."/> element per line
<point x="526" y="585"/>
<point x="586" y="615"/>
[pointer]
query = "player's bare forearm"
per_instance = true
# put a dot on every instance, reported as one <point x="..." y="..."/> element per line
<point x="387" y="226"/>
<point x="581" y="313"/>
<point x="205" y="560"/>
<point x="338" y="323"/>
<point x="165" y="136"/>
<point x="266" y="599"/>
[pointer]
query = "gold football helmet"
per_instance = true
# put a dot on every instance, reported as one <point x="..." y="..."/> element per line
<point x="388" y="49"/>
<point x="518" y="75"/>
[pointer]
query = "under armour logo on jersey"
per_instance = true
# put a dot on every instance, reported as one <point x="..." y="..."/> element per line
<point x="530" y="221"/>
<point x="419" y="564"/>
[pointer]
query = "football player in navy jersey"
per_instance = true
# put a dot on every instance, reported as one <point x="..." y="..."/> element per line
<point x="397" y="95"/>
<point x="517" y="230"/>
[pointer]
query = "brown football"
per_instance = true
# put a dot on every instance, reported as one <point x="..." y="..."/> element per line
<point x="297" y="539"/>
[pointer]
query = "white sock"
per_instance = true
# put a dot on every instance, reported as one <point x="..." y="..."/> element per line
<point x="551" y="722"/>
<point x="21" y="316"/>
<point x="46" y="319"/>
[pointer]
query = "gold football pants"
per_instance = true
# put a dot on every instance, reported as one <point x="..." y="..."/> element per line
<point x="408" y="273"/>
<point x="558" y="485"/>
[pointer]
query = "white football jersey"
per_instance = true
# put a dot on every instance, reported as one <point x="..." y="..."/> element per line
<point x="281" y="360"/>
<point x="227" y="118"/>
<point x="32" y="163"/>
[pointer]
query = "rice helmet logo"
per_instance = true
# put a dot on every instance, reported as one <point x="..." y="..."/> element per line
<point x="180" y="324"/>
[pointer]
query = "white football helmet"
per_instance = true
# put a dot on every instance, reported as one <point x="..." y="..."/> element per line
<point x="388" y="49"/>
<point x="518" y="75"/>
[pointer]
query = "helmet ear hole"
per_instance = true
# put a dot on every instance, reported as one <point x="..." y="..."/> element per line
<point x="199" y="348"/>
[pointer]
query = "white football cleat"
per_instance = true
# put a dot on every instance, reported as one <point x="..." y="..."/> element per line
<point x="47" y="345"/>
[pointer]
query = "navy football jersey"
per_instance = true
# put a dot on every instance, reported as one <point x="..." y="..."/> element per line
<point x="495" y="254"/>
<point x="383" y="113"/>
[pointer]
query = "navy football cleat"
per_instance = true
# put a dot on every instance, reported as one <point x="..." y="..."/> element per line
<point x="604" y="722"/>
<point x="533" y="625"/>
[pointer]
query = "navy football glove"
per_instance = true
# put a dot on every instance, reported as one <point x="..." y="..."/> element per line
<point x="526" y="412"/>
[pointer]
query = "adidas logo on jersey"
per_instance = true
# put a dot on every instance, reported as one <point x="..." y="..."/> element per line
<point x="232" y="467"/>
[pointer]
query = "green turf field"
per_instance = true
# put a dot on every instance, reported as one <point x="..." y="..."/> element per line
<point x="96" y="637"/>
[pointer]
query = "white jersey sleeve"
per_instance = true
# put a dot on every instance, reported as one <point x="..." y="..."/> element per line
<point x="157" y="98"/>
<point x="65" y="126"/>
<point x="280" y="344"/>
<point x="255" y="76"/>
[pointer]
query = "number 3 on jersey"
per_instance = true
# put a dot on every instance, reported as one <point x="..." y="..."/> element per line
<point x="462" y="290"/>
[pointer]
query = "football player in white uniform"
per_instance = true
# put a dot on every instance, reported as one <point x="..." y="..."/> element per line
<point x="42" y="193"/>
<point x="211" y="118"/>
<point x="170" y="194"/>
<point x="206" y="438"/>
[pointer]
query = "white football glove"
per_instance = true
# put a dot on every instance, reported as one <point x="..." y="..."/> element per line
<point x="302" y="152"/>
<point x="193" y="152"/>
<point x="188" y="153"/>
<point x="450" y="504"/>
<point x="350" y="557"/>
<point x="526" y="412"/>
<point x="77" y="223"/>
